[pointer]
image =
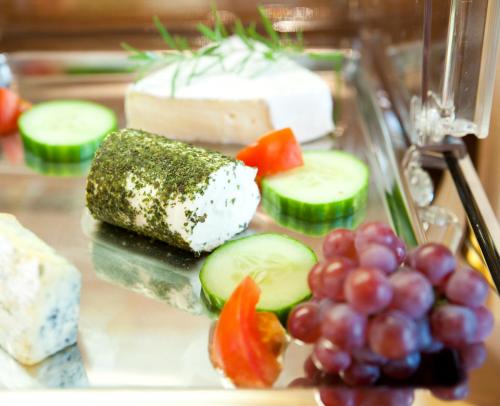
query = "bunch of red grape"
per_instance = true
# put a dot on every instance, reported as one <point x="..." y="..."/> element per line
<point x="377" y="308"/>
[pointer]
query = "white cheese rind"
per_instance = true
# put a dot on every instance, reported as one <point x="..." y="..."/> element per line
<point x="231" y="106"/>
<point x="227" y="204"/>
<point x="39" y="295"/>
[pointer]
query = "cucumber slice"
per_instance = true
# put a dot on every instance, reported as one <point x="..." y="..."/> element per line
<point x="65" y="169"/>
<point x="65" y="130"/>
<point x="330" y="185"/>
<point x="279" y="264"/>
<point x="319" y="228"/>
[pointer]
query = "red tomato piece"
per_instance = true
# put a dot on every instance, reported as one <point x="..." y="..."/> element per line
<point x="246" y="344"/>
<point x="9" y="111"/>
<point x="274" y="152"/>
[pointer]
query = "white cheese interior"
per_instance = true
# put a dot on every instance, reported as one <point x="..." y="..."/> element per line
<point x="227" y="205"/>
<point x="235" y="103"/>
<point x="39" y="295"/>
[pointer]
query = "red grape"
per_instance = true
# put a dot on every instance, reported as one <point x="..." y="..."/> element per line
<point x="324" y="304"/>
<point x="385" y="397"/>
<point x="435" y="346"/>
<point x="399" y="249"/>
<point x="378" y="256"/>
<point x="379" y="233"/>
<point x="337" y="396"/>
<point x="484" y="324"/>
<point x="424" y="333"/>
<point x="314" y="279"/>
<point x="301" y="383"/>
<point x="304" y="322"/>
<point x="393" y="335"/>
<point x="427" y="343"/>
<point x="311" y="371"/>
<point x="433" y="260"/>
<point x="454" y="325"/>
<point x="374" y="232"/>
<point x="365" y="355"/>
<point x="467" y="287"/>
<point x="410" y="258"/>
<point x="344" y="327"/>
<point x="330" y="358"/>
<point x="368" y="290"/>
<point x="441" y="286"/>
<point x="402" y="368"/>
<point x="340" y="243"/>
<point x="413" y="293"/>
<point x="473" y="355"/>
<point x="360" y="374"/>
<point x="334" y="274"/>
<point x="455" y="393"/>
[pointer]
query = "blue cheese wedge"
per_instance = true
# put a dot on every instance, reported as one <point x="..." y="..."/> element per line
<point x="232" y="102"/>
<point x="186" y="196"/>
<point x="62" y="370"/>
<point x="39" y="295"/>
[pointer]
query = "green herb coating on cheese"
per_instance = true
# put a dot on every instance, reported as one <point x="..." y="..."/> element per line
<point x="165" y="172"/>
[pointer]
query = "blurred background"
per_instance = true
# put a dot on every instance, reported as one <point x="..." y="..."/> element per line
<point x="30" y="24"/>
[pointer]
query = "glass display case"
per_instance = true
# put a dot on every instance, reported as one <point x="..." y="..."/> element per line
<point x="412" y="93"/>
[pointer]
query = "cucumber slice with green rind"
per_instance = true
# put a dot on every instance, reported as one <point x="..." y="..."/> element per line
<point x="330" y="185"/>
<point x="65" y="169"/>
<point x="315" y="229"/>
<point x="65" y="130"/>
<point x="279" y="265"/>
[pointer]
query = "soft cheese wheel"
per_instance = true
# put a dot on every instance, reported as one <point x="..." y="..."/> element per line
<point x="39" y="295"/>
<point x="232" y="102"/>
<point x="189" y="197"/>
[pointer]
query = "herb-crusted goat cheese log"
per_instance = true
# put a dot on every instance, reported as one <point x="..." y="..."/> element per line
<point x="184" y="195"/>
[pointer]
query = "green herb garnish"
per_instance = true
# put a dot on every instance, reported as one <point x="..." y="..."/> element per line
<point x="179" y="53"/>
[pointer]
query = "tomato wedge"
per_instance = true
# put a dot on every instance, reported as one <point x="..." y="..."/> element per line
<point x="9" y="111"/>
<point x="246" y="344"/>
<point x="11" y="107"/>
<point x="274" y="152"/>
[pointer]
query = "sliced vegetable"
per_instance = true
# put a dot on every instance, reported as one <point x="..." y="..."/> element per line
<point x="64" y="169"/>
<point x="315" y="228"/>
<point x="65" y="130"/>
<point x="330" y="185"/>
<point x="246" y="344"/>
<point x="10" y="105"/>
<point x="278" y="264"/>
<point x="274" y="152"/>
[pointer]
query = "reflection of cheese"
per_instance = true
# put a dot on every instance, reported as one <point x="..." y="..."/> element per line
<point x="39" y="295"/>
<point x="147" y="267"/>
<point x="62" y="370"/>
<point x="226" y="105"/>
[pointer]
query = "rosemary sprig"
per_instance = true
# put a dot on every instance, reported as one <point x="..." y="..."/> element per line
<point x="179" y="52"/>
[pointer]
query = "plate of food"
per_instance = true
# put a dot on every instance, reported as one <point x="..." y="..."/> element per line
<point x="232" y="217"/>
